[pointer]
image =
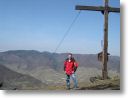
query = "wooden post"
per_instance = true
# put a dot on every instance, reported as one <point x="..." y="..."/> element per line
<point x="105" y="48"/>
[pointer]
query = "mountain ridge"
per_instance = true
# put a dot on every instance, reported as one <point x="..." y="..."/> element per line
<point x="31" y="59"/>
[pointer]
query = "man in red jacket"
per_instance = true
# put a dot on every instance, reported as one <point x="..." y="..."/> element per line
<point x="70" y="67"/>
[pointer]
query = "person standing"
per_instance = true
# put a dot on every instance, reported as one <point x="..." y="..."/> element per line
<point x="70" y="67"/>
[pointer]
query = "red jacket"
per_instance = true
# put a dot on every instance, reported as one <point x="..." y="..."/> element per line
<point x="70" y="66"/>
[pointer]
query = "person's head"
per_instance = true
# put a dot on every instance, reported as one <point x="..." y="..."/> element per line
<point x="69" y="55"/>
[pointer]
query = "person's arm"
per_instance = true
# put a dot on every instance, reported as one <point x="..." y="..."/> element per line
<point x="75" y="66"/>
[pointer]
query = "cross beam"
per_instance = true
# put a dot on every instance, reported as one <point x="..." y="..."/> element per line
<point x="105" y="10"/>
<point x="97" y="8"/>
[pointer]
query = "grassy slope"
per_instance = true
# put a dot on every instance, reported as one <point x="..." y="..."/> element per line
<point x="10" y="80"/>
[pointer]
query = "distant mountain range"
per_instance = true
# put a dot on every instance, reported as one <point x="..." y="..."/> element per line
<point x="31" y="59"/>
<point x="47" y="68"/>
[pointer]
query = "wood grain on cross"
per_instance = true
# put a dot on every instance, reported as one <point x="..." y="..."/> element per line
<point x="105" y="10"/>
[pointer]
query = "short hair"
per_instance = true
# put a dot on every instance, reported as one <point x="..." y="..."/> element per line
<point x="70" y="54"/>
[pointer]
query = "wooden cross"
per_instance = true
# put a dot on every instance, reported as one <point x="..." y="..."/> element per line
<point x="105" y="10"/>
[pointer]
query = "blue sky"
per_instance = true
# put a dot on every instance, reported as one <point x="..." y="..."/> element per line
<point x="41" y="24"/>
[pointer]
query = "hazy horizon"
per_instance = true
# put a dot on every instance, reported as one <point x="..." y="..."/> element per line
<point x="55" y="52"/>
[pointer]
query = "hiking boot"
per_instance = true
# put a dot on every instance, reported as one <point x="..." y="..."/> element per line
<point x="68" y="88"/>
